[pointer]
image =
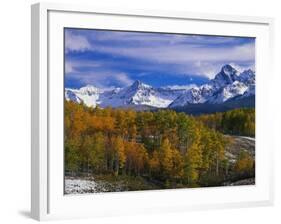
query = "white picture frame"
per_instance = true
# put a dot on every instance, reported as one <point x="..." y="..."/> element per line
<point x="47" y="198"/>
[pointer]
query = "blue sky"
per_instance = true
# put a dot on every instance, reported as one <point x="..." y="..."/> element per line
<point x="108" y="59"/>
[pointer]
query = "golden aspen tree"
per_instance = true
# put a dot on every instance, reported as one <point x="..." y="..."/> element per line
<point x="193" y="157"/>
<point x="97" y="152"/>
<point x="245" y="162"/>
<point x="166" y="155"/>
<point x="119" y="151"/>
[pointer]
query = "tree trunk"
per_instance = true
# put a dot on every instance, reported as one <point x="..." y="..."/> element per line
<point x="117" y="167"/>
<point x="88" y="167"/>
<point x="217" y="167"/>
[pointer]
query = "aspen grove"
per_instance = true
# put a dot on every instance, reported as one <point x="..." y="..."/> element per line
<point x="174" y="149"/>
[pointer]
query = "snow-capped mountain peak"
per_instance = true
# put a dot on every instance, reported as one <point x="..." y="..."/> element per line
<point x="89" y="95"/>
<point x="140" y="94"/>
<point x="138" y="84"/>
<point x="248" y="76"/>
<point x="228" y="69"/>
<point x="136" y="94"/>
<point x="89" y="89"/>
<point x="227" y="75"/>
<point x="227" y="84"/>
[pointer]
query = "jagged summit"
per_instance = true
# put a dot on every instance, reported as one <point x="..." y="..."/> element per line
<point x="139" y="85"/>
<point x="228" y="69"/>
<point x="227" y="75"/>
<point x="89" y="89"/>
<point x="227" y="84"/>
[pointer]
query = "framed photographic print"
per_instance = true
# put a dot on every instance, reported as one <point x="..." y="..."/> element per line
<point x="142" y="111"/>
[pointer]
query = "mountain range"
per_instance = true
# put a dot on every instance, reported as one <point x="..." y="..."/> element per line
<point x="226" y="87"/>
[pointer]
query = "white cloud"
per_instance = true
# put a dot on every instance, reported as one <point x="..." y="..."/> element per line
<point x="162" y="48"/>
<point x="196" y="60"/>
<point x="75" y="42"/>
<point x="68" y="67"/>
<point x="209" y="69"/>
<point x="241" y="68"/>
<point x="102" y="79"/>
<point x="182" y="86"/>
<point x="73" y="66"/>
<point x="183" y="54"/>
<point x="124" y="79"/>
<point x="157" y="38"/>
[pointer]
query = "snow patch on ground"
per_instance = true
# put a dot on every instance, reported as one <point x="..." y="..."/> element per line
<point x="249" y="138"/>
<point x="80" y="186"/>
